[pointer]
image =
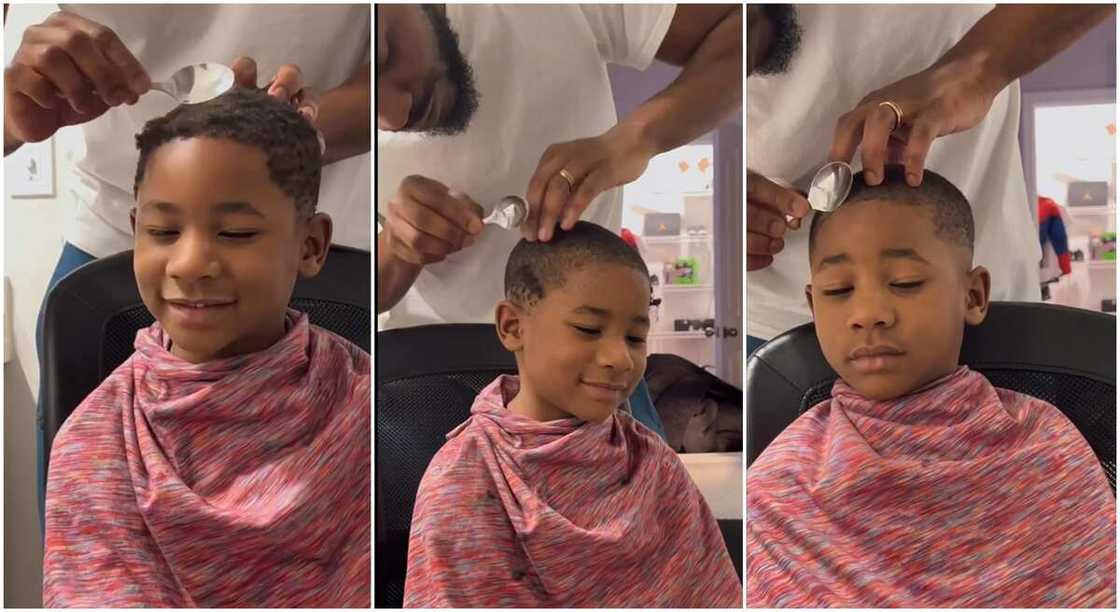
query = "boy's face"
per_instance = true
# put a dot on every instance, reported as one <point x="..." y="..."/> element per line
<point x="890" y="298"/>
<point x="219" y="246"/>
<point x="581" y="350"/>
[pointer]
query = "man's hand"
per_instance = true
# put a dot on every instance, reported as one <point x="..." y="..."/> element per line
<point x="768" y="205"/>
<point x="67" y="70"/>
<point x="287" y="85"/>
<point x="427" y="222"/>
<point x="596" y="164"/>
<point x="938" y="101"/>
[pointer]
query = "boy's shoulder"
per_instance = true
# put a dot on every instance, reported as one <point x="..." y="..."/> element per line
<point x="98" y="416"/>
<point x="328" y="341"/>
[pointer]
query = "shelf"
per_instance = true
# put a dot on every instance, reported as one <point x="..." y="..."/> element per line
<point x="1102" y="264"/>
<point x="675" y="335"/>
<point x="675" y="240"/>
<point x="686" y="288"/>
<point x="1090" y="211"/>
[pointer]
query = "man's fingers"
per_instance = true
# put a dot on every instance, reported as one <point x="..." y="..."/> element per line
<point x="765" y="221"/>
<point x="917" y="148"/>
<point x="758" y="262"/>
<point x="429" y="221"/>
<point x="764" y="192"/>
<point x="849" y="131"/>
<point x="245" y="72"/>
<point x="550" y="163"/>
<point x="436" y="196"/>
<point x="418" y="240"/>
<point x="22" y="79"/>
<point x="554" y="199"/>
<point x="589" y="188"/>
<point x="873" y="148"/>
<point x="288" y="82"/>
<point x="307" y="102"/>
<point x="758" y="244"/>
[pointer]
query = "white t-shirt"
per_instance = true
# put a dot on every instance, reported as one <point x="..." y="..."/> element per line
<point x="541" y="74"/>
<point x="848" y="51"/>
<point x="328" y="42"/>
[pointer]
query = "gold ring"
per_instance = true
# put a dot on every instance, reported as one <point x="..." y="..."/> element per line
<point x="567" y="176"/>
<point x="897" y="113"/>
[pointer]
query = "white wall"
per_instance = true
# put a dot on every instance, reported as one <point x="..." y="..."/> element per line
<point x="33" y="227"/>
<point x="32" y="243"/>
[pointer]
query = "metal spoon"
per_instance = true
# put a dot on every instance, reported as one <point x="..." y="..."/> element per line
<point x="197" y="83"/>
<point x="830" y="186"/>
<point x="509" y="214"/>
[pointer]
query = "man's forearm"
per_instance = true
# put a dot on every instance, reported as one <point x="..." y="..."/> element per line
<point x="707" y="91"/>
<point x="344" y="117"/>
<point x="1014" y="39"/>
<point x="394" y="276"/>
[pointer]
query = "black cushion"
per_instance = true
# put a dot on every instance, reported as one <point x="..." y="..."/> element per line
<point x="1065" y="356"/>
<point x="92" y="316"/>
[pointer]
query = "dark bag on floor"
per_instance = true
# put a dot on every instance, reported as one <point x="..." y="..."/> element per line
<point x="701" y="413"/>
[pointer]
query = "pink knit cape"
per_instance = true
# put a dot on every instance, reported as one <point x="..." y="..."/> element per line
<point x="958" y="495"/>
<point x="514" y="512"/>
<point x="238" y="482"/>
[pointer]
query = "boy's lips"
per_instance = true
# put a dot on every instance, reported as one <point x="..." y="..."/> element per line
<point x="200" y="312"/>
<point x="605" y="390"/>
<point x="874" y="357"/>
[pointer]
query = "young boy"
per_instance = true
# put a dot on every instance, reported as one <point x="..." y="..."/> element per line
<point x="919" y="484"/>
<point x="552" y="494"/>
<point x="226" y="462"/>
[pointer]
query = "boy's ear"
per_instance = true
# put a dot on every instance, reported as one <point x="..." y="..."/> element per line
<point x="508" y="317"/>
<point x="979" y="295"/>
<point x="132" y="220"/>
<point x="809" y="297"/>
<point x="316" y="244"/>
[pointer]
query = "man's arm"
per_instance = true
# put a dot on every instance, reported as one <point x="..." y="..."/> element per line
<point x="344" y="117"/>
<point x="957" y="91"/>
<point x="707" y="40"/>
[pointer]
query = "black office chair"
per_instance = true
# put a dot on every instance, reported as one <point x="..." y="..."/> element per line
<point x="93" y="314"/>
<point x="427" y="379"/>
<point x="1066" y="356"/>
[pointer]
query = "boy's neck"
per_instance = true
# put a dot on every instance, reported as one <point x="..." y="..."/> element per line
<point x="529" y="404"/>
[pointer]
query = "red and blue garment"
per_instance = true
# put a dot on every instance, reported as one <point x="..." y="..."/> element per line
<point x="1052" y="231"/>
<point x="240" y="482"/>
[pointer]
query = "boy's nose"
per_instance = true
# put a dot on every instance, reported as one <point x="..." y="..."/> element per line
<point x="193" y="259"/>
<point x="616" y="355"/>
<point x="870" y="312"/>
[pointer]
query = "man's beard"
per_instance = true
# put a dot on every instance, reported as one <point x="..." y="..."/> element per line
<point x="458" y="72"/>
<point x="787" y="38"/>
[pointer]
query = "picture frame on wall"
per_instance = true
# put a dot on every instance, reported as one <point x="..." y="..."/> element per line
<point x="29" y="171"/>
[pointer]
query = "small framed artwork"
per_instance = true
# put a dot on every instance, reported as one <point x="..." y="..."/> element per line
<point x="29" y="171"/>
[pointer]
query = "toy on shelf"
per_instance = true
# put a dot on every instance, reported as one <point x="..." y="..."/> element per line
<point x="683" y="271"/>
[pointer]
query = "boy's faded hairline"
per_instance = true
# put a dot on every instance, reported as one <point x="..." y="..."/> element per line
<point x="952" y="213"/>
<point x="533" y="268"/>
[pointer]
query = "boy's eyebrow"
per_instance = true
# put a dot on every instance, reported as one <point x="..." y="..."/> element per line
<point x="602" y="312"/>
<point x="885" y="253"/>
<point x="229" y="208"/>
<point x="223" y="208"/>
<point x="903" y="254"/>
<point x="833" y="260"/>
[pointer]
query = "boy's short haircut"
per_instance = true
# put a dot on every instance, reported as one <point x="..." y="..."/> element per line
<point x="536" y="267"/>
<point x="952" y="214"/>
<point x="251" y="117"/>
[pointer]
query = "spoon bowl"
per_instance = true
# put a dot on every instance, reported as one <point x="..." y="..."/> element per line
<point x="197" y="83"/>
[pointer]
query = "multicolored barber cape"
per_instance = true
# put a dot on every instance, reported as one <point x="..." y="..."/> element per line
<point x="241" y="482"/>
<point x="514" y="512"/>
<point x="958" y="495"/>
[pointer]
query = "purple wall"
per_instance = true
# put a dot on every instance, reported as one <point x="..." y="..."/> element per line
<point x="1090" y="63"/>
<point x="632" y="87"/>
